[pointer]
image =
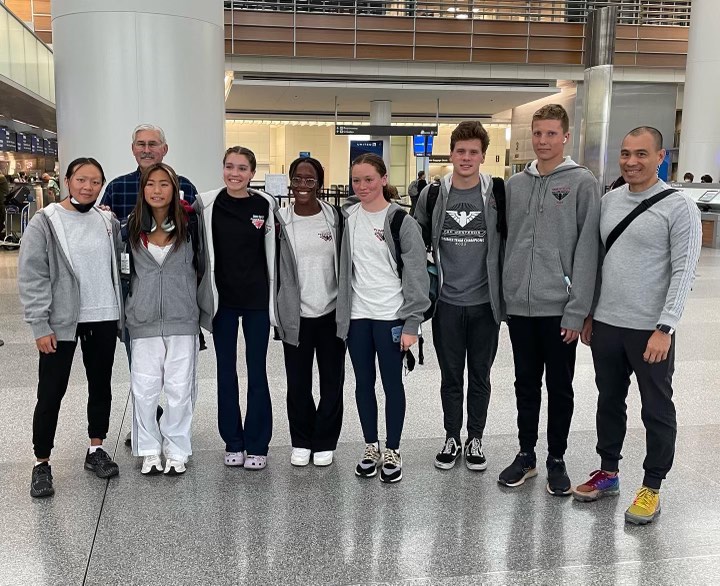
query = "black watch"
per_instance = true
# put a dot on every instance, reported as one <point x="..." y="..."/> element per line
<point x="665" y="329"/>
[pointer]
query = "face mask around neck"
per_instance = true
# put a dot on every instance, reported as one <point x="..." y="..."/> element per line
<point x="81" y="207"/>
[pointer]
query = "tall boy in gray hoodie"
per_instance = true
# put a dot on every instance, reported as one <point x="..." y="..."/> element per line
<point x="553" y="212"/>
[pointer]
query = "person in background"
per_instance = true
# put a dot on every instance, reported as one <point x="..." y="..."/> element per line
<point x="309" y="253"/>
<point x="379" y="311"/>
<point x="647" y="275"/>
<point x="706" y="179"/>
<point x="69" y="281"/>
<point x="53" y="189"/>
<point x="4" y="191"/>
<point x="239" y="285"/>
<point x="688" y="178"/>
<point x="164" y="339"/>
<point x="415" y="189"/>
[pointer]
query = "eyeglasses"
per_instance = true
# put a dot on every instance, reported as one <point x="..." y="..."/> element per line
<point x="150" y="145"/>
<point x="298" y="181"/>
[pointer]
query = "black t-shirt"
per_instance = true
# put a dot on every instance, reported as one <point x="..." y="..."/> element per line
<point x="238" y="226"/>
<point x="421" y="184"/>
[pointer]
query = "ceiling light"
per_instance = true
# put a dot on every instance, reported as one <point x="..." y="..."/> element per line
<point x="461" y="15"/>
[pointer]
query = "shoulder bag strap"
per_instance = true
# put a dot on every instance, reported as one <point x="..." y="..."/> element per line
<point x="644" y="205"/>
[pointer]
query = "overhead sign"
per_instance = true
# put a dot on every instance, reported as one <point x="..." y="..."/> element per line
<point x="439" y="159"/>
<point x="341" y="129"/>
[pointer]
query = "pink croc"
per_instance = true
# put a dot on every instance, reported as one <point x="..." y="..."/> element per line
<point x="255" y="462"/>
<point x="234" y="458"/>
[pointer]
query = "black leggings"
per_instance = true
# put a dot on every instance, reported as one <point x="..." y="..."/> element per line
<point x="97" y="341"/>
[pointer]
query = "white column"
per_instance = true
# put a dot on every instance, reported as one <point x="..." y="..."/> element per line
<point x="120" y="63"/>
<point x="700" y="134"/>
<point x="381" y="115"/>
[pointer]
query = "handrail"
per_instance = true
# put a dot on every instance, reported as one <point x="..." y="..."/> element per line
<point x="25" y="26"/>
<point x="632" y="12"/>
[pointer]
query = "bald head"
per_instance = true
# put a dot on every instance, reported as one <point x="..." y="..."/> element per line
<point x="654" y="132"/>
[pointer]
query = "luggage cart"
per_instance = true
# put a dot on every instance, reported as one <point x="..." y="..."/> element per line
<point x="16" y="220"/>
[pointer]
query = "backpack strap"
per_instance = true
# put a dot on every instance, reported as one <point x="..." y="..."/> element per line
<point x="432" y="197"/>
<point x="644" y="205"/>
<point x="499" y="193"/>
<point x="395" y="225"/>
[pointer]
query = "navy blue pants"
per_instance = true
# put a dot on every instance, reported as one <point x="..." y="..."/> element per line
<point x="255" y="436"/>
<point x="368" y="338"/>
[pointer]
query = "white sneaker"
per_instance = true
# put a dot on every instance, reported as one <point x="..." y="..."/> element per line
<point x="152" y="465"/>
<point x="300" y="457"/>
<point x="174" y="467"/>
<point x="323" y="458"/>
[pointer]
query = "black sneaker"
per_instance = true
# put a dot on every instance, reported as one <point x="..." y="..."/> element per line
<point x="391" y="470"/>
<point x="41" y="484"/>
<point x="100" y="462"/>
<point x="558" y="483"/>
<point x="474" y="457"/>
<point x="371" y="459"/>
<point x="522" y="468"/>
<point x="448" y="455"/>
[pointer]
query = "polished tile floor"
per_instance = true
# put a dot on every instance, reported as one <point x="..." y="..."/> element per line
<point x="313" y="526"/>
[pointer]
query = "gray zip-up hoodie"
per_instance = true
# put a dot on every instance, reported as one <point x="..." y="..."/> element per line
<point x="49" y="288"/>
<point x="208" y="297"/>
<point x="288" y="285"/>
<point x="551" y="253"/>
<point x="163" y="298"/>
<point x="496" y="246"/>
<point x="415" y="280"/>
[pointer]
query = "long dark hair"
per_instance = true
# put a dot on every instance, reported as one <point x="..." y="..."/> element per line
<point x="377" y="162"/>
<point x="176" y="212"/>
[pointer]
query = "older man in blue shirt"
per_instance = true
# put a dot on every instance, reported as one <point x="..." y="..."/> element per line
<point x="148" y="147"/>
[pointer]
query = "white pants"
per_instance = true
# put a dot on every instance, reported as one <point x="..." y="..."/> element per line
<point x="167" y="362"/>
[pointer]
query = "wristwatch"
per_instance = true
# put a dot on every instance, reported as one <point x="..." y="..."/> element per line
<point x="665" y="329"/>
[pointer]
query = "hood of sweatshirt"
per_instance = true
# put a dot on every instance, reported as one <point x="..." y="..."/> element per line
<point x="485" y="182"/>
<point x="532" y="170"/>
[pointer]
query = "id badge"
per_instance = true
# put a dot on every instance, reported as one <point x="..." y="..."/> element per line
<point x="125" y="263"/>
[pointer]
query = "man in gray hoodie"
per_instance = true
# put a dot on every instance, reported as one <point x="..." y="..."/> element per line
<point x="459" y="220"/>
<point x="553" y="212"/>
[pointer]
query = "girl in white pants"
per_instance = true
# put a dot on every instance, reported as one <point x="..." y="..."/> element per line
<point x="162" y="317"/>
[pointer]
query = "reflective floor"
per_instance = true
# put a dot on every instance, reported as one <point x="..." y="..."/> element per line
<point x="285" y="525"/>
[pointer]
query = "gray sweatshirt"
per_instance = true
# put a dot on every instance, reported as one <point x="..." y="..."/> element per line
<point x="163" y="299"/>
<point x="495" y="245"/>
<point x="49" y="288"/>
<point x="415" y="279"/>
<point x="552" y="246"/>
<point x="208" y="297"/>
<point x="649" y="271"/>
<point x="288" y="286"/>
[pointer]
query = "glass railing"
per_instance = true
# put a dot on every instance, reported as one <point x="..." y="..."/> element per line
<point x="633" y="12"/>
<point x="24" y="58"/>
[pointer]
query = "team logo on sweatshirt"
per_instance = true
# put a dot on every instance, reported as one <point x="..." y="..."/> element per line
<point x="325" y="236"/>
<point x="560" y="192"/>
<point x="257" y="221"/>
<point x="463" y="218"/>
<point x="379" y="234"/>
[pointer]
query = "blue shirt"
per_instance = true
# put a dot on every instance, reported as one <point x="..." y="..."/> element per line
<point x="121" y="193"/>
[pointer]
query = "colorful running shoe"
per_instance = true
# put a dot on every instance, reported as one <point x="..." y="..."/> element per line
<point x="600" y="484"/>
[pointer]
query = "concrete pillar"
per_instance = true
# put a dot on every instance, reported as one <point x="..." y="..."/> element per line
<point x="700" y="133"/>
<point x="599" y="52"/>
<point x="381" y="115"/>
<point x="120" y="63"/>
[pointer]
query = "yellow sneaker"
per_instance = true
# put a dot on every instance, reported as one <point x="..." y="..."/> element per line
<point x="644" y="508"/>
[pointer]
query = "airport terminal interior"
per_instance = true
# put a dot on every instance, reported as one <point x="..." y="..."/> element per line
<point x="331" y="79"/>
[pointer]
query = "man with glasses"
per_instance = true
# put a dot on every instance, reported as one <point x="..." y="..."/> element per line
<point x="148" y="148"/>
